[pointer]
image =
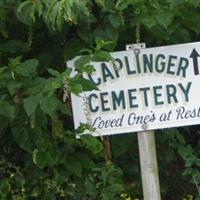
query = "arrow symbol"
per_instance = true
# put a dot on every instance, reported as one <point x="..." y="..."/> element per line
<point x="194" y="55"/>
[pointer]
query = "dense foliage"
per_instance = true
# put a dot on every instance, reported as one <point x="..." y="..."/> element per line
<point x="39" y="155"/>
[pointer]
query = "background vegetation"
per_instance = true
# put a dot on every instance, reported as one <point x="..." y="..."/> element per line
<point x="39" y="155"/>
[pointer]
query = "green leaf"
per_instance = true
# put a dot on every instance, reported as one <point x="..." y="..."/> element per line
<point x="49" y="104"/>
<point x="28" y="68"/>
<point x="164" y="17"/>
<point x="36" y="85"/>
<point x="180" y="138"/>
<point x="99" y="41"/>
<point x="21" y="136"/>
<point x="39" y="7"/>
<point x="13" y="86"/>
<point x="116" y="21"/>
<point x="89" y="69"/>
<point x="31" y="103"/>
<point x="57" y="128"/>
<point x="85" y="160"/>
<point x="14" y="62"/>
<point x="67" y="73"/>
<point x="53" y="16"/>
<point x="53" y="72"/>
<point x="74" y="166"/>
<point x="100" y="44"/>
<point x="14" y="46"/>
<point x="189" y="162"/>
<point x="102" y="56"/>
<point x="2" y="69"/>
<point x="6" y="109"/>
<point x="26" y="12"/>
<point x="93" y="144"/>
<point x="105" y="5"/>
<point x="79" y="84"/>
<point x="149" y="22"/>
<point x="87" y="85"/>
<point x="53" y="84"/>
<point x="100" y="3"/>
<point x="60" y="23"/>
<point x="82" y="61"/>
<point x="75" y="88"/>
<point x="43" y="158"/>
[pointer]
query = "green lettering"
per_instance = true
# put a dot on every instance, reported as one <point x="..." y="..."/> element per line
<point x="144" y="90"/>
<point x="96" y="83"/>
<point x="92" y="109"/>
<point x="185" y="90"/>
<point x="117" y="68"/>
<point x="106" y="73"/>
<point x="129" y="71"/>
<point x="171" y="65"/>
<point x="138" y="63"/>
<point x="183" y="65"/>
<point x="104" y="101"/>
<point x="159" y="63"/>
<point x="148" y="63"/>
<point x="118" y="100"/>
<point x="171" y="93"/>
<point x="157" y="94"/>
<point x="132" y="97"/>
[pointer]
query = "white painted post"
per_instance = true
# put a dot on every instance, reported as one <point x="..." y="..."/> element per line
<point x="148" y="164"/>
<point x="147" y="151"/>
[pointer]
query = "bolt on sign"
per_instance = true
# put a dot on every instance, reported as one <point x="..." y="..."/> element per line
<point x="145" y="89"/>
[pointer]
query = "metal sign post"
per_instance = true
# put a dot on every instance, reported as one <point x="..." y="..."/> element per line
<point x="147" y="151"/>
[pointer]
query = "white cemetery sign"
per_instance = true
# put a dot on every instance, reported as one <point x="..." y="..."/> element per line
<point x="150" y="88"/>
